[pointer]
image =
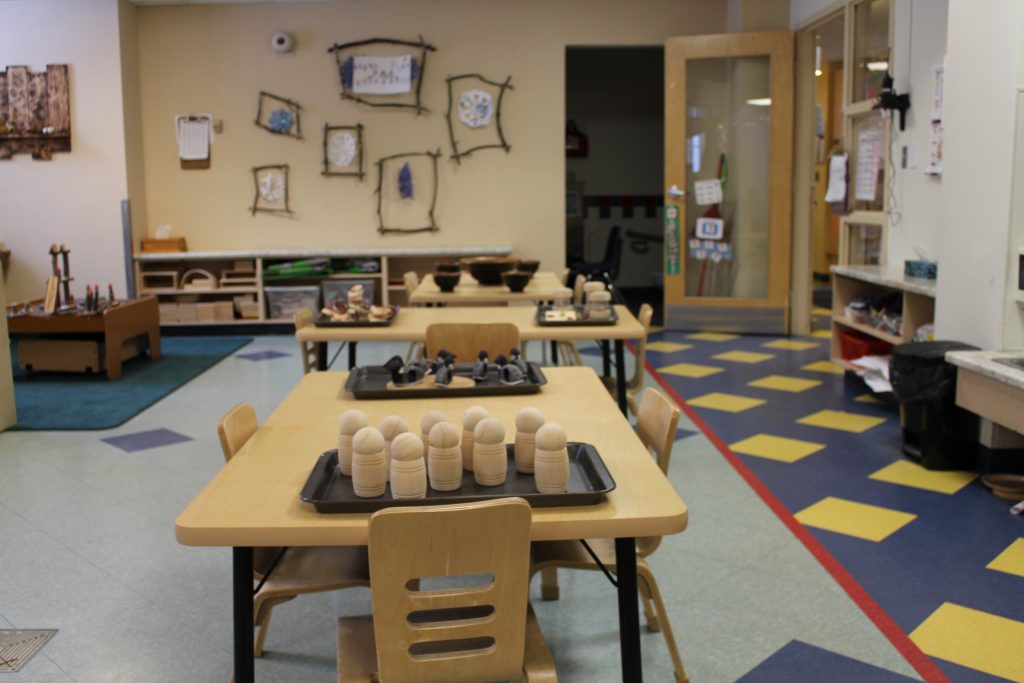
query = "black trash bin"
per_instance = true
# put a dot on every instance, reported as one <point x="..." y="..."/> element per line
<point x="936" y="432"/>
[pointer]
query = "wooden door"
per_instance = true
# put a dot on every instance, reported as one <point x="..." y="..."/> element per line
<point x="728" y="116"/>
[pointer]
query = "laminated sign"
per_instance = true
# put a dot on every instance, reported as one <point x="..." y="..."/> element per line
<point x="672" y="240"/>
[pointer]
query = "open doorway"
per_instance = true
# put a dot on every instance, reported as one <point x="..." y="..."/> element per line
<point x="615" y="111"/>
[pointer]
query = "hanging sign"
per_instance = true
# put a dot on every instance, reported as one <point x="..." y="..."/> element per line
<point x="672" y="239"/>
<point x="710" y="229"/>
<point x="708" y="191"/>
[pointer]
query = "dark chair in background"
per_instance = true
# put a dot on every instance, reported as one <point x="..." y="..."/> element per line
<point x="607" y="269"/>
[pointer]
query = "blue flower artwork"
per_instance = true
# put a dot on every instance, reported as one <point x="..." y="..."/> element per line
<point x="281" y="120"/>
<point x="405" y="181"/>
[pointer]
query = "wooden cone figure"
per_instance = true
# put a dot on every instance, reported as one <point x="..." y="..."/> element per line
<point x="470" y="418"/>
<point x="350" y="422"/>
<point x="427" y="422"/>
<point x="490" y="459"/>
<point x="391" y="426"/>
<point x="444" y="458"/>
<point x="408" y="471"/>
<point x="528" y="421"/>
<point x="369" y="471"/>
<point x="551" y="460"/>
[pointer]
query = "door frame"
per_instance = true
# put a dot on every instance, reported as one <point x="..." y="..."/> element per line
<point x="772" y="313"/>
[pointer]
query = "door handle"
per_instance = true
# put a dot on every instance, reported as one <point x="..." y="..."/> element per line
<point x="675" y="192"/>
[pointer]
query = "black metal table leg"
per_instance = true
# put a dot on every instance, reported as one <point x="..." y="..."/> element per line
<point x="606" y="358"/>
<point x="620" y="377"/>
<point x="321" y="356"/>
<point x="554" y="352"/>
<point x="629" y="611"/>
<point x="242" y="596"/>
<point x="351" y="355"/>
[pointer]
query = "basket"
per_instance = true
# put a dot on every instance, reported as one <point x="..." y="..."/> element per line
<point x="853" y="345"/>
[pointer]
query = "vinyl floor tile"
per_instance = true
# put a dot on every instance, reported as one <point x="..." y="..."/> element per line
<point x="791" y="345"/>
<point x="793" y="385"/>
<point x="906" y="473"/>
<point x="869" y="522"/>
<point x="667" y="347"/>
<point x="730" y="403"/>
<point x="713" y="336"/>
<point x="776" y="447"/>
<point x="825" y="366"/>
<point x="841" y="420"/>
<point x="743" y="356"/>
<point x="975" y="639"/>
<point x="1010" y="560"/>
<point x="690" y="370"/>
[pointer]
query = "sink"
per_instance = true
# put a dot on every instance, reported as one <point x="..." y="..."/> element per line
<point x="1017" y="363"/>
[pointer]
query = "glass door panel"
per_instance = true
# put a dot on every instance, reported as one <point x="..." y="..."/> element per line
<point x="870" y="48"/>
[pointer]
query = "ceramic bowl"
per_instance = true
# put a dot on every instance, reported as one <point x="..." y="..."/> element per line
<point x="516" y="280"/>
<point x="447" y="281"/>
<point x="528" y="266"/>
<point x="487" y="270"/>
<point x="1007" y="486"/>
<point x="448" y="267"/>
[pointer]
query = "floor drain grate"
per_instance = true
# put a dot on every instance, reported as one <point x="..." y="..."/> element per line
<point x="17" y="647"/>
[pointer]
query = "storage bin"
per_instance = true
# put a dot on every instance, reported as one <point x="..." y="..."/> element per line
<point x="284" y="302"/>
<point x="337" y="290"/>
<point x="853" y="345"/>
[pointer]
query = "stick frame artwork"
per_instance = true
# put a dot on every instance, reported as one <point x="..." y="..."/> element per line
<point x="295" y="108"/>
<point x="422" y="45"/>
<point x="502" y="142"/>
<point x="256" y="186"/>
<point x="360" y="173"/>
<point x="432" y="227"/>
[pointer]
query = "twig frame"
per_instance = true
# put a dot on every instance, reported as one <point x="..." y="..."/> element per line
<point x="424" y="48"/>
<point x="383" y="229"/>
<point x="256" y="182"/>
<point x="328" y="129"/>
<point x="502" y="142"/>
<point x="295" y="108"/>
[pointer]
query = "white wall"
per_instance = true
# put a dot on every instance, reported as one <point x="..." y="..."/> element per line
<point x="75" y="198"/>
<point x="802" y="11"/>
<point x="1013" y="313"/>
<point x="974" y="204"/>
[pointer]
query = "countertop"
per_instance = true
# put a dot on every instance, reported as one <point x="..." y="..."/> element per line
<point x="888" y="276"/>
<point x="983" y="362"/>
<point x="338" y="252"/>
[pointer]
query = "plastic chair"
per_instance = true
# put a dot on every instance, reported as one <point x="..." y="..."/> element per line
<point x="289" y="572"/>
<point x="449" y="587"/>
<point x="656" y="425"/>
<point x="635" y="383"/>
<point x="307" y="349"/>
<point x="608" y="267"/>
<point x="466" y="340"/>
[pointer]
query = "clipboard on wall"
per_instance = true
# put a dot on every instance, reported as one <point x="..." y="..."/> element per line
<point x="194" y="136"/>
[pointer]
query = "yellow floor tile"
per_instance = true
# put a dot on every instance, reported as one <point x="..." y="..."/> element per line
<point x="776" y="447"/>
<point x="1010" y="560"/>
<point x="975" y="639"/>
<point x="822" y="334"/>
<point x="730" y="403"/>
<point x="791" y="345"/>
<point x="817" y="310"/>
<point x="867" y="398"/>
<point x="906" y="473"/>
<point x="667" y="347"/>
<point x="689" y="370"/>
<point x="713" y="336"/>
<point x="825" y="366"/>
<point x="841" y="420"/>
<point x="656" y="328"/>
<point x="793" y="385"/>
<point x="870" y="522"/>
<point x="743" y="356"/>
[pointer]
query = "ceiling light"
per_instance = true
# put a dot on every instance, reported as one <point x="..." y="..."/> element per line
<point x="761" y="101"/>
<point x="877" y="66"/>
<point x="817" y="60"/>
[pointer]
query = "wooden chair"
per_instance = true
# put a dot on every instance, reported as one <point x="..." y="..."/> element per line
<point x="307" y="349"/>
<point x="450" y="587"/>
<point x="412" y="281"/>
<point x="635" y="383"/>
<point x="656" y="425"/>
<point x="466" y="340"/>
<point x="292" y="571"/>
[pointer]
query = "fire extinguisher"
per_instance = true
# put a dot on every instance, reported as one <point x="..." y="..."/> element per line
<point x="577" y="146"/>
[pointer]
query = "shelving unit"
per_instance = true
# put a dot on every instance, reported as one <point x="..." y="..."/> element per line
<point x="392" y="264"/>
<point x="918" y="297"/>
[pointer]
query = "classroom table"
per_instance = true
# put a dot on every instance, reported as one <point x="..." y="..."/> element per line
<point x="254" y="500"/>
<point x="469" y="291"/>
<point x="410" y="325"/>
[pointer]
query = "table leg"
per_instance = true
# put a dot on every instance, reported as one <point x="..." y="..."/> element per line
<point x="153" y="337"/>
<point x="351" y="355"/>
<point x="113" y="345"/>
<point x="606" y="359"/>
<point x="620" y="378"/>
<point x="629" y="611"/>
<point x="321" y="356"/>
<point x="554" y="352"/>
<point x="242" y="594"/>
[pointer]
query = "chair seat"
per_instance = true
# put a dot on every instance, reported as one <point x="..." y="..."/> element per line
<point x="322" y="567"/>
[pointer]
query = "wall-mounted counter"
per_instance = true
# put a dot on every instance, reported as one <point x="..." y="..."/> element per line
<point x="990" y="387"/>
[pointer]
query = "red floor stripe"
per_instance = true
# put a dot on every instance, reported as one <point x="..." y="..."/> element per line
<point x="896" y="635"/>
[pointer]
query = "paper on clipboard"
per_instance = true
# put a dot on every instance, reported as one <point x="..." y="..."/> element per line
<point x="869" y="161"/>
<point x="194" y="135"/>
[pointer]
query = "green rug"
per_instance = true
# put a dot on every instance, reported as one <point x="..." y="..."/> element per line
<point x="72" y="401"/>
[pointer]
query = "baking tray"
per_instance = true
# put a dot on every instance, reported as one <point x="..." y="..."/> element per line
<point x="580" y="310"/>
<point x="324" y="321"/>
<point x="371" y="382"/>
<point x="330" y="492"/>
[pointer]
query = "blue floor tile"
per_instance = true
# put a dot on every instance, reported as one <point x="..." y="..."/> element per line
<point x="140" y="441"/>
<point x="797" y="661"/>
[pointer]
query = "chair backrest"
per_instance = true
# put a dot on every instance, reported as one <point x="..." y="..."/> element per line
<point x="656" y="426"/>
<point x="613" y="253"/>
<point x="473" y="627"/>
<point x="307" y="349"/>
<point x="644" y="315"/>
<point x="411" y="281"/>
<point x="466" y="340"/>
<point x="577" y="288"/>
<point x="235" y="428"/>
<point x="565" y="276"/>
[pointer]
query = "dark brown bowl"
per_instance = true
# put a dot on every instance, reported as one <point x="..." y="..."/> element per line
<point x="516" y="280"/>
<point x="487" y="270"/>
<point x="447" y="281"/>
<point x="1007" y="486"/>
<point x="448" y="267"/>
<point x="528" y="266"/>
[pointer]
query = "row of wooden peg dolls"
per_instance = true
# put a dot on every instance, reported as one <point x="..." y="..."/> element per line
<point x="372" y="456"/>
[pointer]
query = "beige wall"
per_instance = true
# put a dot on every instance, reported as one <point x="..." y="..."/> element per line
<point x="76" y="197"/>
<point x="217" y="58"/>
<point x="134" y="165"/>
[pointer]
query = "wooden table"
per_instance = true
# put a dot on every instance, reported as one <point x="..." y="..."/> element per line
<point x="254" y="500"/>
<point x="469" y="291"/>
<point x="113" y="327"/>
<point x="410" y="325"/>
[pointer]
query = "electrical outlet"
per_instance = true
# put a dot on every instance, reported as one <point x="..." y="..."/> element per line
<point x="908" y="157"/>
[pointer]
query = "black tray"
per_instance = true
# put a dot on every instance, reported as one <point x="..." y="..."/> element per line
<point x="580" y="310"/>
<point x="372" y="382"/>
<point x="324" y="321"/>
<point x="331" y="492"/>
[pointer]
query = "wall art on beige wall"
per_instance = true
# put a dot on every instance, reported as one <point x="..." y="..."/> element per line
<point x="343" y="151"/>
<point x="279" y="115"/>
<point x="407" y="192"/>
<point x="35" y="112"/>
<point x="474" y="109"/>
<point x="383" y="72"/>
<point x="271" y="185"/>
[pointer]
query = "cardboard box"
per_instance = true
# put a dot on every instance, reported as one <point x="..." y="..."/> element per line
<point x="174" y="244"/>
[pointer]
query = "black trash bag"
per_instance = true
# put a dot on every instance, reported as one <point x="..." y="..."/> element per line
<point x="919" y="371"/>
